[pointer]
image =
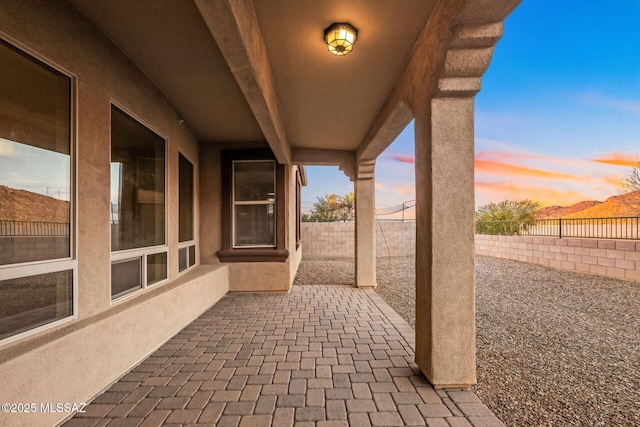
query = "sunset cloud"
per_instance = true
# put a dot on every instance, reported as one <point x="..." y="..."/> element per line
<point x="404" y="188"/>
<point x="618" y="159"/>
<point x="493" y="168"/>
<point x="404" y="158"/>
<point x="498" y="155"/>
<point x="509" y="164"/>
<point x="504" y="171"/>
<point x="498" y="191"/>
<point x="397" y="188"/>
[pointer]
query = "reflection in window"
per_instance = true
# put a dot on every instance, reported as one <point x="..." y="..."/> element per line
<point x="183" y="263"/>
<point x="35" y="193"/>
<point x="192" y="255"/>
<point x="29" y="302"/>
<point x="35" y="159"/>
<point x="254" y="203"/>
<point x="126" y="276"/>
<point x="156" y="267"/>
<point x="137" y="184"/>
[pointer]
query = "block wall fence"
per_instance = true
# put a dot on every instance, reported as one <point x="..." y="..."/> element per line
<point x="321" y="240"/>
<point x="612" y="258"/>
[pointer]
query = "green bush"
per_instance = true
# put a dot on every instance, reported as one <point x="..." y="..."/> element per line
<point x="506" y="218"/>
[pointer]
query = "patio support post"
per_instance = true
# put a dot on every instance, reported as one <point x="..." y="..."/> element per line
<point x="365" y="232"/>
<point x="445" y="284"/>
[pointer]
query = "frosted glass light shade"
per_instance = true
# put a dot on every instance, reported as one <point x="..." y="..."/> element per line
<point x="340" y="38"/>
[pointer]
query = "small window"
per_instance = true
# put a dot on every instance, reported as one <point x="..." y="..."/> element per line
<point x="36" y="198"/>
<point x="185" y="197"/>
<point x="183" y="263"/>
<point x="156" y="267"/>
<point x="32" y="301"/>
<point x="254" y="203"/>
<point x="126" y="276"/>
<point x="192" y="255"/>
<point x="186" y="246"/>
<point x="138" y="218"/>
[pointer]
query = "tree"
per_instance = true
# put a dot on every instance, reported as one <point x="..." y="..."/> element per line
<point x="332" y="207"/>
<point x="631" y="180"/>
<point x="508" y="217"/>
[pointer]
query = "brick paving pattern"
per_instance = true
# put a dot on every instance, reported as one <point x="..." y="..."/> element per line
<point x="320" y="356"/>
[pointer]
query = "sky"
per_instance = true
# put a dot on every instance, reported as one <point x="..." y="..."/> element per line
<point x="34" y="169"/>
<point x="557" y="120"/>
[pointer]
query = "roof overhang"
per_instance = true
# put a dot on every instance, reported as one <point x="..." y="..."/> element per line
<point x="257" y="71"/>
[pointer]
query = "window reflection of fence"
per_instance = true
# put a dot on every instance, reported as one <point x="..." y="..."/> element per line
<point x="33" y="228"/>
<point x="624" y="228"/>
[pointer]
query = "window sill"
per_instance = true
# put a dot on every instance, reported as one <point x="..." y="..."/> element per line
<point x="253" y="255"/>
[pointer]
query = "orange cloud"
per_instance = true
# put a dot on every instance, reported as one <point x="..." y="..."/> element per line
<point x="618" y="159"/>
<point x="404" y="188"/>
<point x="615" y="180"/>
<point x="508" y="156"/>
<point x="497" y="191"/>
<point x="498" y="155"/>
<point x="396" y="188"/>
<point x="494" y="168"/>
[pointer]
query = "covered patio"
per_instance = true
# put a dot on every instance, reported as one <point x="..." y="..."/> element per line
<point x="181" y="133"/>
<point x="321" y="355"/>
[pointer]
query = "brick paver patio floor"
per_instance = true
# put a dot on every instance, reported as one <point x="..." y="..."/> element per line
<point x="319" y="356"/>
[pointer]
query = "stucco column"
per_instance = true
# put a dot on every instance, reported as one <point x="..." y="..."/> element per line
<point x="365" y="232"/>
<point x="445" y="286"/>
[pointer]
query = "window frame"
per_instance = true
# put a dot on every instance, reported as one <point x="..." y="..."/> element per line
<point x="229" y="253"/>
<point x="70" y="263"/>
<point x="144" y="252"/>
<point x="186" y="245"/>
<point x="298" y="208"/>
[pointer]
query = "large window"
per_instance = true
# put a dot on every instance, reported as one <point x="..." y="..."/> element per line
<point x="138" y="243"/>
<point x="36" y="253"/>
<point x="186" y="246"/>
<point x="253" y="207"/>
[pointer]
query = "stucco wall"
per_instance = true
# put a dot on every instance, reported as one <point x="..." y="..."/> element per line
<point x="336" y="239"/>
<point x="613" y="258"/>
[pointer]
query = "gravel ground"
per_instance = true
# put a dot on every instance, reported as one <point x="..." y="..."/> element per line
<point x="555" y="348"/>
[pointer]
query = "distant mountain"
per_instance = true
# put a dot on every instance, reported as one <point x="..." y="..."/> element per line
<point x="615" y="206"/>
<point x="22" y="205"/>
<point x="551" y="212"/>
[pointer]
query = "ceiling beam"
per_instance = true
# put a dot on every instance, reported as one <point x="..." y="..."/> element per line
<point x="344" y="159"/>
<point x="416" y="83"/>
<point x="234" y="26"/>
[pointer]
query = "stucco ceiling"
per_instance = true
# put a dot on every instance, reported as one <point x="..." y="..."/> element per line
<point x="169" y="42"/>
<point x="328" y="101"/>
<point x="324" y="101"/>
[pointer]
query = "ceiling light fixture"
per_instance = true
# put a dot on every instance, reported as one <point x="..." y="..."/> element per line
<point x="340" y="38"/>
